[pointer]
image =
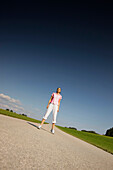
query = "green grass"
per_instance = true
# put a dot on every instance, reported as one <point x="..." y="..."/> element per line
<point x="101" y="141"/>
<point x="15" y="115"/>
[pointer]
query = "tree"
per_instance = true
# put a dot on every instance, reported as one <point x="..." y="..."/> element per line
<point x="7" y="109"/>
<point x="109" y="132"/>
<point x="73" y="128"/>
<point x="11" y="110"/>
<point x="24" y="115"/>
<point x="90" y="131"/>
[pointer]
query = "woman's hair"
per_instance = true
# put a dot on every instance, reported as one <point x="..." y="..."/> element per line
<point x="57" y="89"/>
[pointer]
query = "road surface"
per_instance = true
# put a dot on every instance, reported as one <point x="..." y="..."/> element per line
<point x="24" y="147"/>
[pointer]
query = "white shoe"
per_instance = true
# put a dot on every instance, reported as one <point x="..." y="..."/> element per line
<point x="39" y="126"/>
<point x="52" y="131"/>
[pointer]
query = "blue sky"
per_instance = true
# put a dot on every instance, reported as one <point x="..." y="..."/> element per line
<point x="40" y="54"/>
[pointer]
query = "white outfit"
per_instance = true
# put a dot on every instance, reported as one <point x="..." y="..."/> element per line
<point x="51" y="107"/>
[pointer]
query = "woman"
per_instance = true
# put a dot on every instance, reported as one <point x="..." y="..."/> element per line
<point x="53" y="104"/>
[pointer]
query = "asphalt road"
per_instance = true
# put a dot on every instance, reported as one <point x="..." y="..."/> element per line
<point x="24" y="147"/>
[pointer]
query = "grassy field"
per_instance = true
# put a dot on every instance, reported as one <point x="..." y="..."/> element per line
<point x="101" y="141"/>
<point x="12" y="114"/>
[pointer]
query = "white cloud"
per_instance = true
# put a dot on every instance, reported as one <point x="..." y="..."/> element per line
<point x="4" y="106"/>
<point x="8" y="98"/>
<point x="6" y="102"/>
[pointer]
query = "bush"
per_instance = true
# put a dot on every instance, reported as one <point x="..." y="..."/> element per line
<point x="89" y="131"/>
<point x="73" y="128"/>
<point x="24" y="115"/>
<point x="109" y="132"/>
<point x="7" y="109"/>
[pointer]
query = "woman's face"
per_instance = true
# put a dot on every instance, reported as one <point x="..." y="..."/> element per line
<point x="59" y="90"/>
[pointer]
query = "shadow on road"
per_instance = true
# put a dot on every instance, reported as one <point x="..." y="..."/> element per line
<point x="37" y="127"/>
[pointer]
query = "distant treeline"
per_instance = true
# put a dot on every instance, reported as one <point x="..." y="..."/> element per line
<point x="15" y="112"/>
<point x="109" y="132"/>
<point x="90" y="131"/>
<point x="82" y="130"/>
<point x="9" y="110"/>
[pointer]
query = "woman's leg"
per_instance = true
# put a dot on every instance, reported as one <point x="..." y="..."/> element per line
<point x="47" y="113"/>
<point x="43" y="120"/>
<point x="53" y="124"/>
<point x="55" y="108"/>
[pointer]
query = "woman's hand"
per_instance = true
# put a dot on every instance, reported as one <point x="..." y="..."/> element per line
<point x="58" y="105"/>
<point x="49" y="101"/>
<point x="47" y="106"/>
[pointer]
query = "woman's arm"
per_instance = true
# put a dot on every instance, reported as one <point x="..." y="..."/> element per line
<point x="49" y="101"/>
<point x="58" y="105"/>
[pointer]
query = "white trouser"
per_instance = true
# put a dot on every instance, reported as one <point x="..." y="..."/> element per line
<point x="50" y="108"/>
